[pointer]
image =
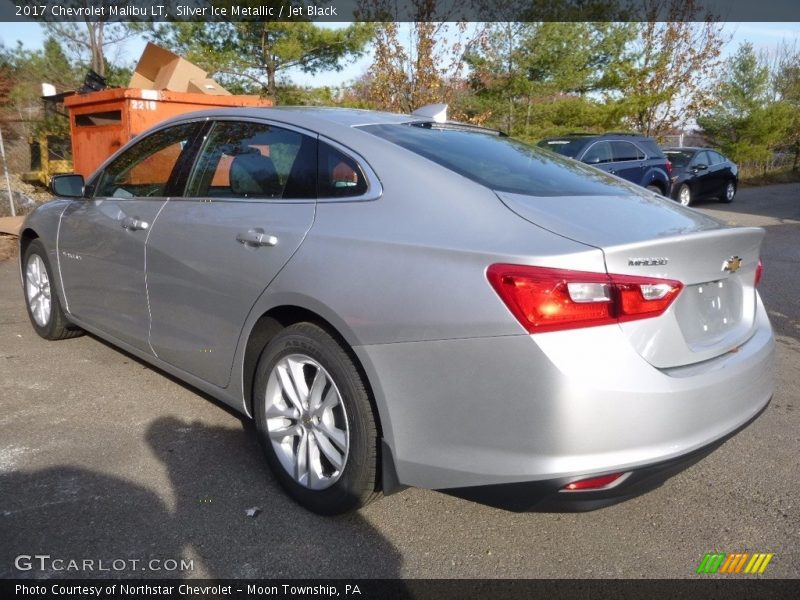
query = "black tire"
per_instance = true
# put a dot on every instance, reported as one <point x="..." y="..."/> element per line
<point x="685" y="197"/>
<point x="357" y="482"/>
<point x="655" y="189"/>
<point x="726" y="197"/>
<point x="56" y="326"/>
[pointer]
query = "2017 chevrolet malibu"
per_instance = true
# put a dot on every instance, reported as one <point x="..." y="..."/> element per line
<point x="400" y="300"/>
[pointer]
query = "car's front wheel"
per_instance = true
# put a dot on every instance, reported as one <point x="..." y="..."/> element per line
<point x="315" y="421"/>
<point x="729" y="193"/>
<point x="685" y="195"/>
<point x="44" y="309"/>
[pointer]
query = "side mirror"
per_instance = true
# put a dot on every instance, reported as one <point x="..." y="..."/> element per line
<point x="67" y="186"/>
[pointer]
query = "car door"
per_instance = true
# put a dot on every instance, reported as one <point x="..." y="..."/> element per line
<point x="248" y="204"/>
<point x="101" y="239"/>
<point x="702" y="177"/>
<point x="718" y="174"/>
<point x="628" y="161"/>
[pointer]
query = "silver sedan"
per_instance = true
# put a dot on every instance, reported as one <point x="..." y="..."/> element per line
<point x="402" y="300"/>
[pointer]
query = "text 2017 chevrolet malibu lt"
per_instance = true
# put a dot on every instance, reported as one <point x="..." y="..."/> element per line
<point x="400" y="300"/>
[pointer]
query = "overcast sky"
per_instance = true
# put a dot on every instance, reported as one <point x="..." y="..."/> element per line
<point x="764" y="36"/>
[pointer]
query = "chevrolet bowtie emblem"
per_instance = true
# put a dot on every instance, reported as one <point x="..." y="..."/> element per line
<point x="732" y="264"/>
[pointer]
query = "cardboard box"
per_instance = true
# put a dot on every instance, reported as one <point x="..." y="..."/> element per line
<point x="150" y="63"/>
<point x="160" y="69"/>
<point x="207" y="86"/>
<point x="175" y="75"/>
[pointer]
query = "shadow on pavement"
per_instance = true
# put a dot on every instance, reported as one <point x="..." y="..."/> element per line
<point x="215" y="474"/>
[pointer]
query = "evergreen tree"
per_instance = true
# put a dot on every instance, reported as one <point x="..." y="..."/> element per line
<point x="746" y="121"/>
<point x="251" y="56"/>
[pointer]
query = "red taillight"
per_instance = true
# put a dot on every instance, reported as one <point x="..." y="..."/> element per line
<point x="669" y="168"/>
<point x="553" y="299"/>
<point x="759" y="270"/>
<point x="593" y="483"/>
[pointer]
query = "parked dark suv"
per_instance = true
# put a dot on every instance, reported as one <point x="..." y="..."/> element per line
<point x="631" y="156"/>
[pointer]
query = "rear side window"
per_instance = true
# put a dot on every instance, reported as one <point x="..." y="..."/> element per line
<point x="255" y="160"/>
<point x="500" y="163"/>
<point x="716" y="158"/>
<point x="339" y="175"/>
<point x="626" y="151"/>
<point x="650" y="147"/>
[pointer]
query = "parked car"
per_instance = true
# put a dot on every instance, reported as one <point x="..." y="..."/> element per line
<point x="400" y="301"/>
<point x="699" y="173"/>
<point x="636" y="158"/>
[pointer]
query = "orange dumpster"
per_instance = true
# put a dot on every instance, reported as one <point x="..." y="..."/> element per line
<point x="102" y="122"/>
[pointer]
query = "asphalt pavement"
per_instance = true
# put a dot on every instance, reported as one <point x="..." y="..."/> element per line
<point x="103" y="458"/>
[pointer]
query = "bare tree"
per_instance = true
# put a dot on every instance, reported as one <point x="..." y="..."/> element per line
<point x="90" y="41"/>
<point x="425" y="68"/>
<point x="670" y="74"/>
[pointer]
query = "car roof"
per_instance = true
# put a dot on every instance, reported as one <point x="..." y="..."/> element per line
<point x="310" y="116"/>
<point x="591" y="136"/>
<point x="687" y="149"/>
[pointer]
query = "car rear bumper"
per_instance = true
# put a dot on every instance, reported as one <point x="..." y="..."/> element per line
<point x="556" y="406"/>
<point x="550" y="496"/>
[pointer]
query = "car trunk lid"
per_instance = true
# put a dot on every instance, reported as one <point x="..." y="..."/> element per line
<point x="648" y="236"/>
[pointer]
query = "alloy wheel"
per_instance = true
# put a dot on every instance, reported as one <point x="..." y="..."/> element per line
<point x="37" y="285"/>
<point x="685" y="195"/>
<point x="730" y="191"/>
<point x="307" y="421"/>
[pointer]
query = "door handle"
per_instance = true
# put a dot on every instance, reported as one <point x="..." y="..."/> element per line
<point x="256" y="237"/>
<point x="612" y="171"/>
<point x="133" y="224"/>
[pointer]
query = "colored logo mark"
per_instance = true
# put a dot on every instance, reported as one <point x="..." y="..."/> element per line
<point x="741" y="562"/>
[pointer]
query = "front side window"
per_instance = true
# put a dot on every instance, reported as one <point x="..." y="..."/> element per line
<point x="146" y="168"/>
<point x="599" y="153"/>
<point x="701" y="159"/>
<point x="255" y="160"/>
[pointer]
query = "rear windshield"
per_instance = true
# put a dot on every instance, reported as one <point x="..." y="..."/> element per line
<point x="566" y="147"/>
<point x="679" y="158"/>
<point x="501" y="163"/>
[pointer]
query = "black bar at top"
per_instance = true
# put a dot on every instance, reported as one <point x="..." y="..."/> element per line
<point x="398" y="10"/>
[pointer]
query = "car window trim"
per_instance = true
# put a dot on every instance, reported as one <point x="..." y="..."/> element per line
<point x="183" y="169"/>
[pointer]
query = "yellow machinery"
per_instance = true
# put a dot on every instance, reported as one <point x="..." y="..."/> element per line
<point x="50" y="155"/>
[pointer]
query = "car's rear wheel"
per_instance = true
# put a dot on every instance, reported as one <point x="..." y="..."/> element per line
<point x="685" y="195"/>
<point x="655" y="189"/>
<point x="729" y="193"/>
<point x="315" y="421"/>
<point x="41" y="300"/>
